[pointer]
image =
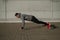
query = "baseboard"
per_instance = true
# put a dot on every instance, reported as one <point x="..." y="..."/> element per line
<point x="19" y="21"/>
<point x="25" y="21"/>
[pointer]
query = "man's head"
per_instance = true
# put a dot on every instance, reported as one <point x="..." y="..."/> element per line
<point x="17" y="15"/>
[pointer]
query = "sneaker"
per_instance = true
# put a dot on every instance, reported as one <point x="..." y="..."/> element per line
<point x="49" y="26"/>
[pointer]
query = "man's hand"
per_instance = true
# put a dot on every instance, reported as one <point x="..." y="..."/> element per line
<point x="22" y="27"/>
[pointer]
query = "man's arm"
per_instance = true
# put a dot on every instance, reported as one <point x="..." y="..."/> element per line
<point x="23" y="23"/>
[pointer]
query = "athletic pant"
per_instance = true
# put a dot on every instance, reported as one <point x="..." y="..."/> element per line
<point x="35" y="20"/>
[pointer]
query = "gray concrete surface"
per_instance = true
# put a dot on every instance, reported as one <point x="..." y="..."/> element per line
<point x="12" y="31"/>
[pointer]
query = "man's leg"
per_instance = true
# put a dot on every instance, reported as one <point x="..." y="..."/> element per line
<point x="35" y="20"/>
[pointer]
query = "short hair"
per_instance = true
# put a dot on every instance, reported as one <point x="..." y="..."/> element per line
<point x="16" y="14"/>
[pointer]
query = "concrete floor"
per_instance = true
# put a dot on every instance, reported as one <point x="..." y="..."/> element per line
<point x="12" y="31"/>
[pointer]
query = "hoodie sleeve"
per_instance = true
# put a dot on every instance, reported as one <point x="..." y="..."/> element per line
<point x="23" y="21"/>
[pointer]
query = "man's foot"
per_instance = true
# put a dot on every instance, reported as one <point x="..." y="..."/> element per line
<point x="22" y="27"/>
<point x="49" y="26"/>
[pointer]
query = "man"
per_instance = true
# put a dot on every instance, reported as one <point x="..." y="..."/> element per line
<point x="30" y="18"/>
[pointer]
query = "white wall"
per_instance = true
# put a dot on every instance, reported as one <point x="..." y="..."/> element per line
<point x="42" y="9"/>
<point x="2" y="9"/>
<point x="56" y="9"/>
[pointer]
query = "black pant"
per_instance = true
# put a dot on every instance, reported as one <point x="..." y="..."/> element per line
<point x="35" y="20"/>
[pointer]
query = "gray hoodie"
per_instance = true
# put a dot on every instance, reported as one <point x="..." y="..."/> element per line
<point x="25" y="17"/>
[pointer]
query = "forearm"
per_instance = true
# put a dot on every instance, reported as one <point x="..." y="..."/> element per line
<point x="23" y="24"/>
